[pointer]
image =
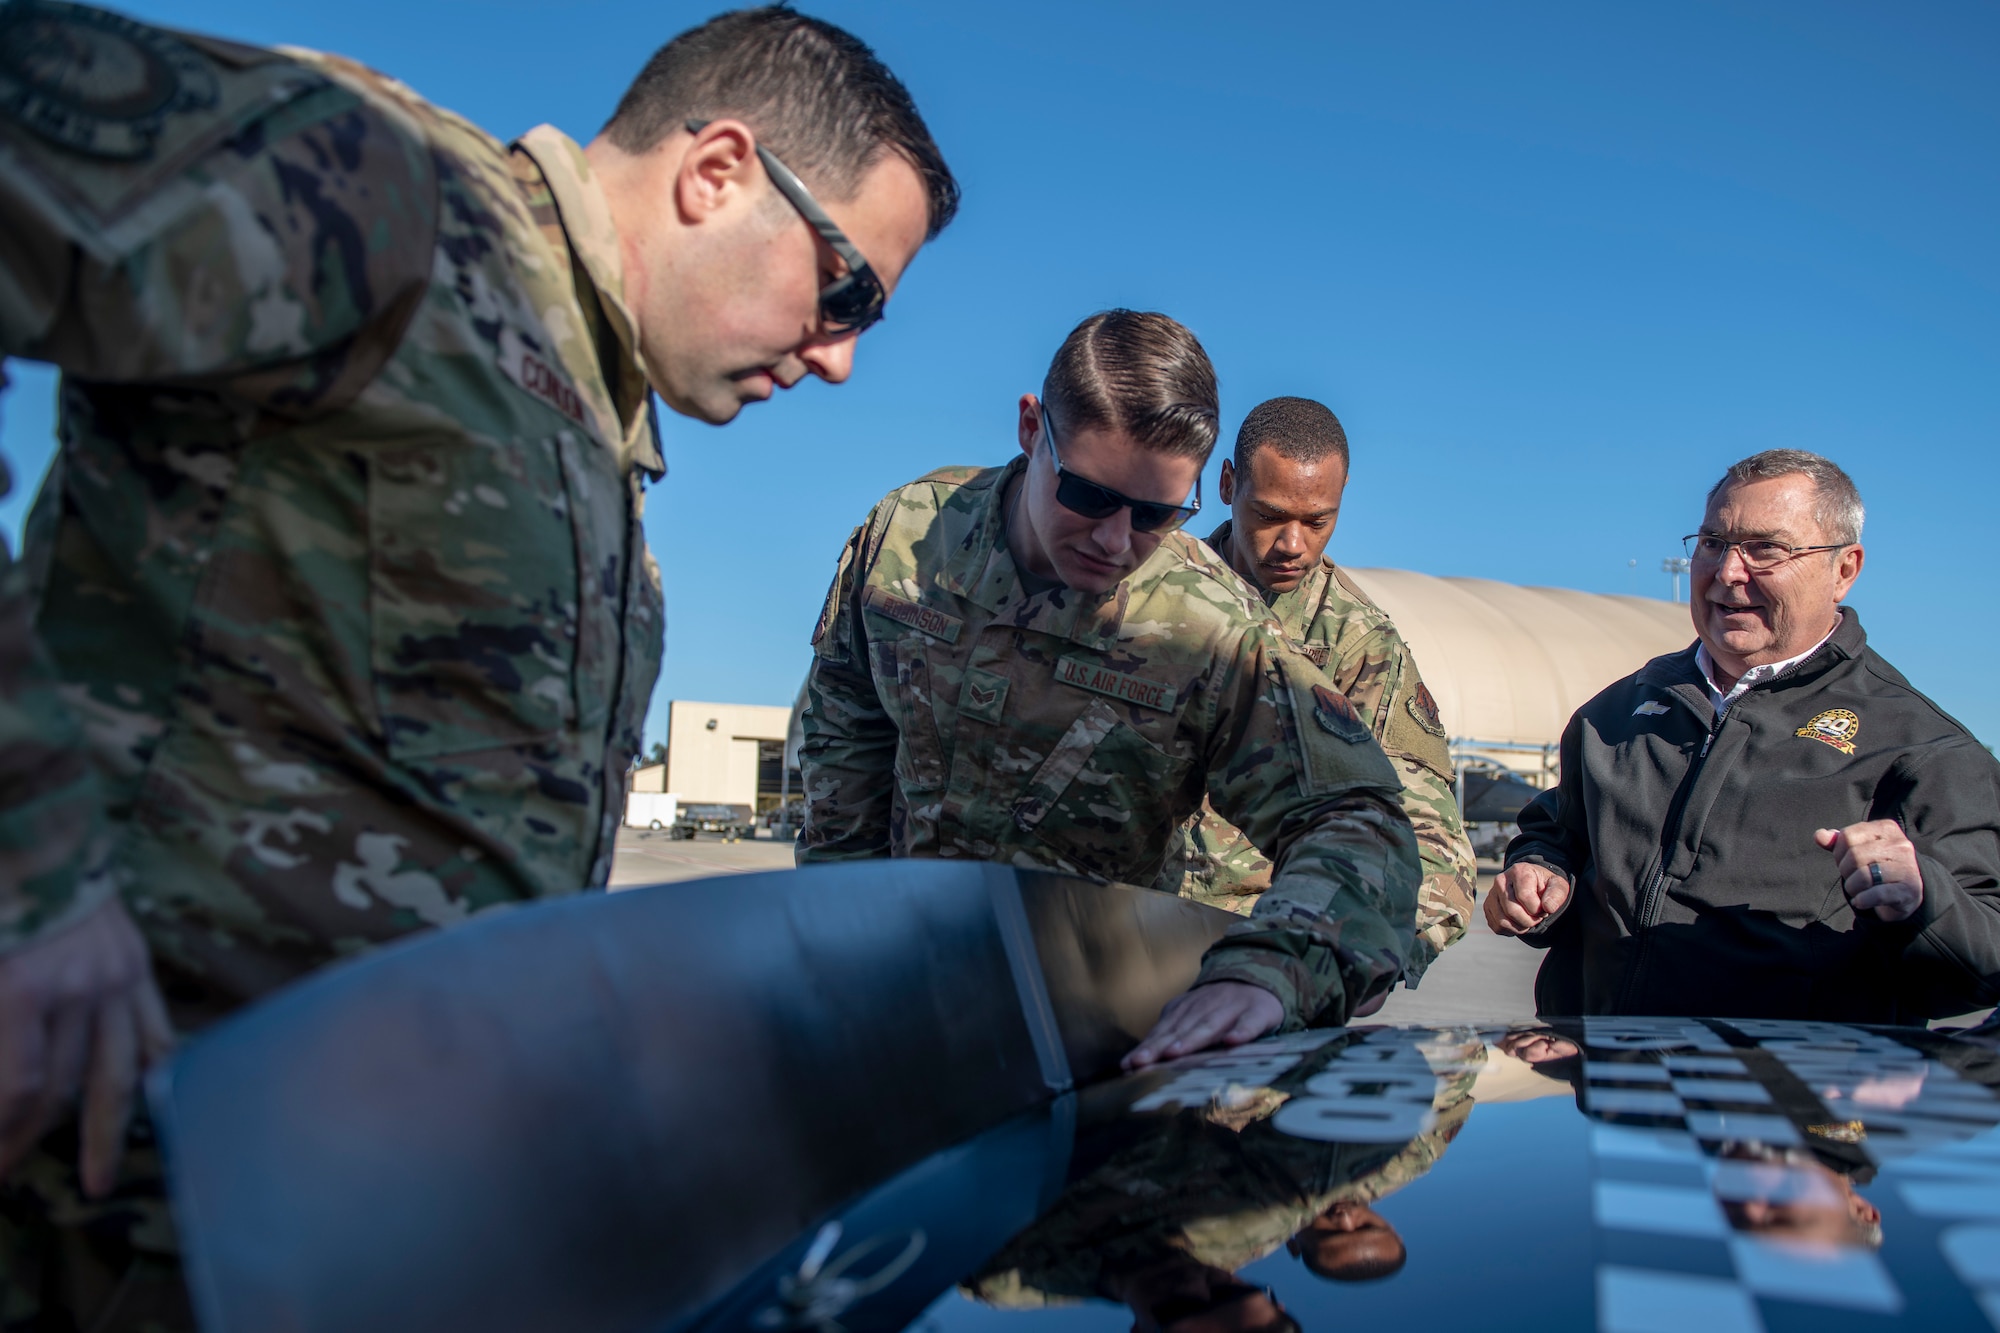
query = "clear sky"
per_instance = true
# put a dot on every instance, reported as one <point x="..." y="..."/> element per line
<point x="1555" y="266"/>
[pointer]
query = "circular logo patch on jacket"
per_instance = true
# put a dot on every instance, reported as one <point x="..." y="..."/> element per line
<point x="1836" y="727"/>
<point x="1335" y="713"/>
<point x="96" y="82"/>
<point x="1424" y="708"/>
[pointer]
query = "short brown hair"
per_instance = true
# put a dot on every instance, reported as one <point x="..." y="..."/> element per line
<point x="814" y="94"/>
<point x="1297" y="428"/>
<point x="1138" y="373"/>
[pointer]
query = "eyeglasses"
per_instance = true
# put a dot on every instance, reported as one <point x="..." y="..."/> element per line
<point x="1705" y="548"/>
<point x="1091" y="500"/>
<point x="852" y="302"/>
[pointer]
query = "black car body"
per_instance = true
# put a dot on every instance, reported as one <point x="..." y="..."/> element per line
<point x="885" y="1095"/>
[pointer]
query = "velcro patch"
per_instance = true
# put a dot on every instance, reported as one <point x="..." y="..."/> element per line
<point x="1131" y="689"/>
<point x="917" y="616"/>
<point x="1312" y="652"/>
<point x="1423" y="707"/>
<point x="1335" y="713"/>
<point x="985" y="695"/>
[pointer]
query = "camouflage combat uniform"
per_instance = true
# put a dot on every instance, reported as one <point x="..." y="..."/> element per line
<point x="334" y="619"/>
<point x="952" y="711"/>
<point x="1332" y="621"/>
<point x="1221" y="1193"/>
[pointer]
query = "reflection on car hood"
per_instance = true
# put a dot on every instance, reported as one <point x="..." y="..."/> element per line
<point x="1616" y="1173"/>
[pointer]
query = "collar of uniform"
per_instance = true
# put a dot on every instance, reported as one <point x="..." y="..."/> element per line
<point x="1294" y="610"/>
<point x="982" y="570"/>
<point x="593" y="239"/>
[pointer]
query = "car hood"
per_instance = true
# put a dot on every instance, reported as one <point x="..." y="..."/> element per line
<point x="1616" y="1173"/>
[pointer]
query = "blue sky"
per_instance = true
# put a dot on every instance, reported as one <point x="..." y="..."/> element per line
<point x="1555" y="266"/>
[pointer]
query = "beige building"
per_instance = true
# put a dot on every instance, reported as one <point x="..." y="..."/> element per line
<point x="725" y="754"/>
<point x="1508" y="664"/>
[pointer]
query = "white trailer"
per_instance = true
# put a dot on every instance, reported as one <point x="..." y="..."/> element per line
<point x="651" y="809"/>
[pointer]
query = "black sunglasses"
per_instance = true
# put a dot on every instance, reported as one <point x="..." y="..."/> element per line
<point x="1091" y="500"/>
<point x="853" y="301"/>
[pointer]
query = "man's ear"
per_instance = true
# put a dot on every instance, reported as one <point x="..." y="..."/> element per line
<point x="1226" y="488"/>
<point x="718" y="170"/>
<point x="1847" y="568"/>
<point x="1030" y="426"/>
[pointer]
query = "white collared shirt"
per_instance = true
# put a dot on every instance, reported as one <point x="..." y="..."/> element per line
<point x="1752" y="675"/>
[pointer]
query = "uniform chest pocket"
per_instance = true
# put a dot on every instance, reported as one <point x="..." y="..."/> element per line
<point x="905" y="678"/>
<point x="1106" y="800"/>
<point x="473" y="593"/>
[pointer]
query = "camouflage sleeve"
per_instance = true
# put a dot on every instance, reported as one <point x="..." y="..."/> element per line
<point x="263" y="231"/>
<point x="51" y="820"/>
<point x="1294" y="767"/>
<point x="1413" y="735"/>
<point x="1214" y="864"/>
<point x="847" y="754"/>
<point x="269" y="240"/>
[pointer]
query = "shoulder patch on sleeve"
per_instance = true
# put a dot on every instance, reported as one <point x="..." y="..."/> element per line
<point x="95" y="82"/>
<point x="1336" y="750"/>
<point x="1424" y="709"/>
<point x="1414" y="726"/>
<point x="101" y="109"/>
<point x="830" y="635"/>
<point x="1336" y="715"/>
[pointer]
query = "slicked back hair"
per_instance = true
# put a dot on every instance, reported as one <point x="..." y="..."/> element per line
<point x="1836" y="499"/>
<point x="1138" y="373"/>
<point x="1295" y="428"/>
<point x="813" y="94"/>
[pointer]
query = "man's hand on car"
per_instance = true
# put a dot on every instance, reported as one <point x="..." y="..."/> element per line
<point x="80" y="1019"/>
<point x="1222" y="1013"/>
<point x="1524" y="896"/>
<point x="1878" y="867"/>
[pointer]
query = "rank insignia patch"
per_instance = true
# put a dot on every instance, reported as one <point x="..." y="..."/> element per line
<point x="985" y="695"/>
<point x="1836" y="727"/>
<point x="1335" y="713"/>
<point x="1423" y="707"/>
<point x="94" y="82"/>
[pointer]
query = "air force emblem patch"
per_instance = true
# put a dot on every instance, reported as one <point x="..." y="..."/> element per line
<point x="1423" y="706"/>
<point x="1836" y="727"/>
<point x="1650" y="708"/>
<point x="95" y="82"/>
<point x="1335" y="713"/>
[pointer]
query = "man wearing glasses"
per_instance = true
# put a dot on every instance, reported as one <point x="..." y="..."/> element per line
<point x="336" y="620"/>
<point x="1032" y="665"/>
<point x="1772" y="822"/>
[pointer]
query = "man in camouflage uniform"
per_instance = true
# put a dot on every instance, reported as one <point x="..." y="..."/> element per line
<point x="1171" y="1217"/>
<point x="1025" y="665"/>
<point x="335" y="620"/>
<point x="1284" y="487"/>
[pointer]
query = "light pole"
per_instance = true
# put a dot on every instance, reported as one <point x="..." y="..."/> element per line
<point x="1676" y="566"/>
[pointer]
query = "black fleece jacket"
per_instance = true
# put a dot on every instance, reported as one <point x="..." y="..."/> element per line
<point x="1688" y="839"/>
